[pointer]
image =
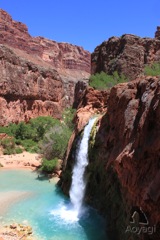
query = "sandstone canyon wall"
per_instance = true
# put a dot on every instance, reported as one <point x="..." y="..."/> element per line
<point x="124" y="153"/>
<point x="127" y="55"/>
<point x="38" y="76"/>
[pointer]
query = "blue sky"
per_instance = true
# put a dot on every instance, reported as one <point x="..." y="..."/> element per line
<point x="85" y="23"/>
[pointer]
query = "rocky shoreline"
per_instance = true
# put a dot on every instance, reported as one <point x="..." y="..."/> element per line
<point x="28" y="161"/>
<point x="16" y="231"/>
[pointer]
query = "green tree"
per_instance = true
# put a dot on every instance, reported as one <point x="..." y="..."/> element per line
<point x="55" y="141"/>
<point x="49" y="165"/>
<point x="152" y="70"/>
<point x="103" y="81"/>
<point x="41" y="125"/>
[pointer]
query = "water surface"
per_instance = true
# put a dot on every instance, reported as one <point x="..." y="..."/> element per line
<point x="42" y="205"/>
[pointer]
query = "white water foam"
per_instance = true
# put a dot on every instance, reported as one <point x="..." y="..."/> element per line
<point x="68" y="215"/>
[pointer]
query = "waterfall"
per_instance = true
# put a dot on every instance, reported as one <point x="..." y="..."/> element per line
<point x="77" y="190"/>
<point x="71" y="213"/>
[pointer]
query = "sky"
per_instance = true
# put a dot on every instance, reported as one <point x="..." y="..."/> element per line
<point x="86" y="23"/>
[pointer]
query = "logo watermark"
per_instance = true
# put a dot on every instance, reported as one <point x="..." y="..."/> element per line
<point x="141" y="229"/>
<point x="139" y="223"/>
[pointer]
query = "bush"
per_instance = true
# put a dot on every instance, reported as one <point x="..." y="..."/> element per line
<point x="152" y="70"/>
<point x="7" y="143"/>
<point x="9" y="151"/>
<point x="9" y="130"/>
<point x="49" y="133"/>
<point x="22" y="131"/>
<point x="55" y="141"/>
<point x="49" y="165"/>
<point x="68" y="115"/>
<point x="18" y="150"/>
<point x="40" y="125"/>
<point x="102" y="80"/>
<point x="29" y="145"/>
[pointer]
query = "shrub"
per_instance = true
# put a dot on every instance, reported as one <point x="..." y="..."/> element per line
<point x="9" y="130"/>
<point x="152" y="70"/>
<point x="49" y="165"/>
<point x="18" y="150"/>
<point x="8" y="143"/>
<point x="49" y="133"/>
<point x="55" y="141"/>
<point x="102" y="80"/>
<point x="29" y="145"/>
<point x="9" y="151"/>
<point x="68" y="115"/>
<point x="40" y="126"/>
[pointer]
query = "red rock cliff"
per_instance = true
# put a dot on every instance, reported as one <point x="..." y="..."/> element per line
<point x="38" y="76"/>
<point x="127" y="54"/>
<point x="27" y="89"/>
<point x="59" y="55"/>
<point x="127" y="144"/>
<point x="124" y="172"/>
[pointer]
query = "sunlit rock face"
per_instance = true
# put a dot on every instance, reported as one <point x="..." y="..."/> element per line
<point x="123" y="171"/>
<point x="127" y="152"/>
<point x="127" y="55"/>
<point x="27" y="89"/>
<point x="38" y="76"/>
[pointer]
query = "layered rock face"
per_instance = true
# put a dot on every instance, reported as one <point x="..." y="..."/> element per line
<point x="127" y="55"/>
<point x="127" y="146"/>
<point x="38" y="76"/>
<point x="27" y="89"/>
<point x="60" y="55"/>
<point x="124" y="171"/>
<point x="91" y="102"/>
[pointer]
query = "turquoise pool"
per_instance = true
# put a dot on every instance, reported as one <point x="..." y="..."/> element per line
<point x="45" y="208"/>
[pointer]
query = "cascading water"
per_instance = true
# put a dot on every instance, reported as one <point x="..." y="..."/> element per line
<point x="71" y="213"/>
<point x="78" y="185"/>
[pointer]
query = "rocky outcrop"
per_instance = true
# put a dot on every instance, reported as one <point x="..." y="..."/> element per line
<point x="157" y="34"/>
<point x="127" y="145"/>
<point x="127" y="55"/>
<point x="123" y="173"/>
<point x="27" y="89"/>
<point x="59" y="55"/>
<point x="16" y="231"/>
<point x="92" y="102"/>
<point x="37" y="75"/>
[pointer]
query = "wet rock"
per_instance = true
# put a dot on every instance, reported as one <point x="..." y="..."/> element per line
<point x="13" y="226"/>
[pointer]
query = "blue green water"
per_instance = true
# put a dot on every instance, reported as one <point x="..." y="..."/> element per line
<point x="44" y="209"/>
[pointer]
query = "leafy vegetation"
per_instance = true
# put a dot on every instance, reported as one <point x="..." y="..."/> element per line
<point x="103" y="81"/>
<point x="68" y="115"/>
<point x="9" y="146"/>
<point x="55" y="141"/>
<point x="43" y="134"/>
<point x="49" y="165"/>
<point x="152" y="70"/>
